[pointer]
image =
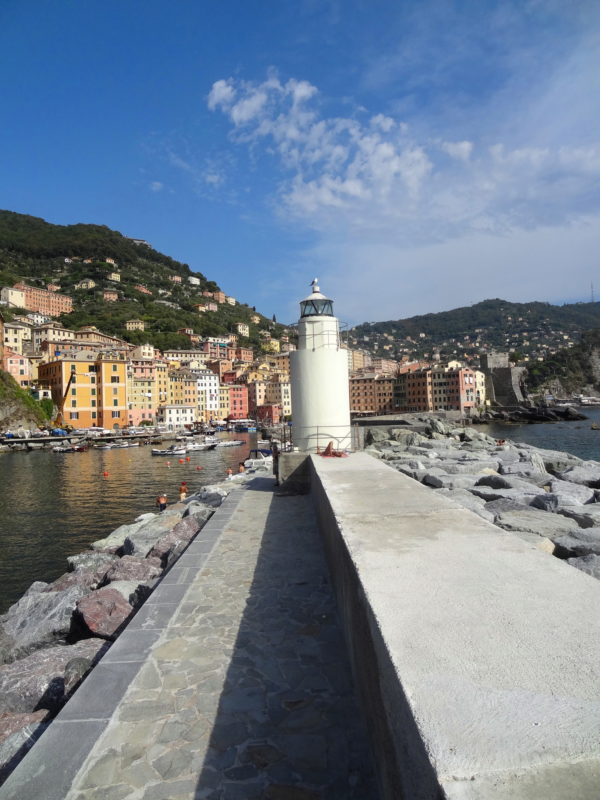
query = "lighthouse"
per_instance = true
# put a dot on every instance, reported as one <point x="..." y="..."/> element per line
<point x="319" y="372"/>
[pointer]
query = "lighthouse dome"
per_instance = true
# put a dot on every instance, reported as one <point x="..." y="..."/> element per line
<point x="316" y="304"/>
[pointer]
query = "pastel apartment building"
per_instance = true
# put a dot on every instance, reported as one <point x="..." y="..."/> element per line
<point x="97" y="392"/>
<point x="243" y="329"/>
<point x="51" y="303"/>
<point x="175" y="278"/>
<point x="13" y="298"/>
<point x="143" y="289"/>
<point x="110" y="295"/>
<point x="17" y="336"/>
<point x="17" y="365"/>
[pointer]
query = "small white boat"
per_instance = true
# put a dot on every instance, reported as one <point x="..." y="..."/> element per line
<point x="193" y="446"/>
<point x="230" y="443"/>
<point x="170" y="451"/>
<point x="260" y="462"/>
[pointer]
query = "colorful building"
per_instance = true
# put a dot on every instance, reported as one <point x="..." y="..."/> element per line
<point x="90" y="388"/>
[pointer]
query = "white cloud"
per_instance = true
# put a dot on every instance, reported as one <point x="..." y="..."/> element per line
<point x="460" y="150"/>
<point x="156" y="186"/>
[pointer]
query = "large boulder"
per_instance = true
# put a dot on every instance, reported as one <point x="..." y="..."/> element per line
<point x="170" y="547"/>
<point x="103" y="612"/>
<point x="450" y="481"/>
<point x="375" y="435"/>
<point x="115" y="541"/>
<point x="587" y="473"/>
<point x="497" y="507"/>
<point x="535" y="521"/>
<point x="90" y="560"/>
<point x="212" y="495"/>
<point x="554" y="460"/>
<point x="38" y="680"/>
<point x="580" y="542"/>
<point x="589" y="564"/>
<point x="468" y="500"/>
<point x="131" y="568"/>
<point x="587" y="516"/>
<point x="142" y="540"/>
<point x="571" y="494"/>
<point x="18" y="733"/>
<point x="40" y="617"/>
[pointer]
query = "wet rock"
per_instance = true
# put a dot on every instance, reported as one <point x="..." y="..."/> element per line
<point x="535" y="521"/>
<point x="589" y="564"/>
<point x="40" y="617"/>
<point x="131" y="568"/>
<point x="38" y="680"/>
<point x="103" y="612"/>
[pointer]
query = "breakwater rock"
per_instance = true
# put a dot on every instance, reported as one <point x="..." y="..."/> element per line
<point x="56" y="632"/>
<point x="548" y="498"/>
<point x="525" y="414"/>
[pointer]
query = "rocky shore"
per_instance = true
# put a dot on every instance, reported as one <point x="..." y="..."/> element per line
<point x="548" y="498"/>
<point x="533" y="414"/>
<point x="56" y="632"/>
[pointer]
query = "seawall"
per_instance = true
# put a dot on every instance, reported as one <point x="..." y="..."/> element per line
<point x="476" y="655"/>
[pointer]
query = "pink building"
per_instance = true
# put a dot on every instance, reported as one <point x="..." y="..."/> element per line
<point x="238" y="401"/>
<point x="18" y="366"/>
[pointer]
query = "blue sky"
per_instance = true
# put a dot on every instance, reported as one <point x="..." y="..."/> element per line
<point x="415" y="156"/>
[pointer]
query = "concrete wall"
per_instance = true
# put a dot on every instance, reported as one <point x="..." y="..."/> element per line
<point x="476" y="656"/>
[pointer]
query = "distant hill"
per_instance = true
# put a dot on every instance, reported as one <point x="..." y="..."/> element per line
<point x="534" y="329"/>
<point x="34" y="250"/>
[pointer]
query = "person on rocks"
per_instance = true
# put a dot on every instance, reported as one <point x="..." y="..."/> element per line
<point x="161" y="501"/>
<point x="241" y="467"/>
<point x="183" y="490"/>
<point x="229" y="474"/>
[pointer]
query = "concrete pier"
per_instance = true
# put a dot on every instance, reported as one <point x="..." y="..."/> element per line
<point x="231" y="682"/>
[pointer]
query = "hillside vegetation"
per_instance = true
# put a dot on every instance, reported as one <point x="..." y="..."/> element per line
<point x="17" y="406"/>
<point x="574" y="369"/>
<point x="34" y="250"/>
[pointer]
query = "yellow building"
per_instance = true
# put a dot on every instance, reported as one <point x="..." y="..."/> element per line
<point x="182" y="388"/>
<point x="224" y="403"/>
<point x="89" y="388"/>
<point x="271" y="345"/>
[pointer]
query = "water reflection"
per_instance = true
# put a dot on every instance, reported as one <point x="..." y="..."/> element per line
<point x="53" y="505"/>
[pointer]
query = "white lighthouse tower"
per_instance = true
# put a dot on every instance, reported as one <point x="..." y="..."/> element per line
<point x="319" y="372"/>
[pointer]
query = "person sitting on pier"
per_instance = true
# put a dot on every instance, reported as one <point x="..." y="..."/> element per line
<point x="161" y="501"/>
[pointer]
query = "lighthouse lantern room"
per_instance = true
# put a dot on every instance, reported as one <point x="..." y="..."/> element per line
<point x="319" y="373"/>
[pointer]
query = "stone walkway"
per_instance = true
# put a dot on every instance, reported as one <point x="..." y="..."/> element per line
<point x="246" y="692"/>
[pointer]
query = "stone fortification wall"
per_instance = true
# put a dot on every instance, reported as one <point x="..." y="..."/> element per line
<point x="476" y="653"/>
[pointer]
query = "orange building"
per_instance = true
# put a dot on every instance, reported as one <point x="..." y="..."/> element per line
<point x="50" y="303"/>
<point x="90" y="388"/>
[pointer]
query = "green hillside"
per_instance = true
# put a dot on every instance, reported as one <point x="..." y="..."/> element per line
<point x="34" y="250"/>
<point x="489" y="315"/>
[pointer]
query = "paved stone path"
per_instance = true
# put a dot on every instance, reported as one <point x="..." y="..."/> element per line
<point x="246" y="693"/>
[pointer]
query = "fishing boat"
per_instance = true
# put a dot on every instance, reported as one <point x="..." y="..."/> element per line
<point x="174" y="450"/>
<point x="229" y="443"/>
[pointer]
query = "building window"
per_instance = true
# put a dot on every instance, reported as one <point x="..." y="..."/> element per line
<point x="73" y="403"/>
<point x="115" y="403"/>
<point x="93" y="392"/>
<point x="93" y="404"/>
<point x="74" y="414"/>
<point x="114" y="367"/>
<point x="115" y="415"/>
<point x="93" y="415"/>
<point x="114" y="378"/>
